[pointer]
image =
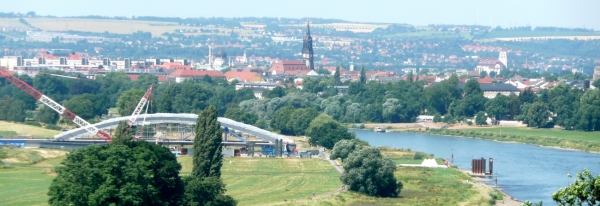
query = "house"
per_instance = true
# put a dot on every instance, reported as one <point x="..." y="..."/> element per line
<point x="493" y="64"/>
<point x="289" y="68"/>
<point x="243" y="76"/>
<point x="256" y="87"/>
<point x="490" y="90"/>
<point x="181" y="74"/>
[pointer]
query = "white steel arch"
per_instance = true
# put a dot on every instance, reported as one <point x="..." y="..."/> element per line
<point x="177" y="118"/>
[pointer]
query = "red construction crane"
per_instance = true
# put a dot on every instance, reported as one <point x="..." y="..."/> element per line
<point x="138" y="109"/>
<point x="54" y="105"/>
<point x="140" y="106"/>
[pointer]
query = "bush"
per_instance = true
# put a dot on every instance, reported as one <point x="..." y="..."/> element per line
<point x="33" y="123"/>
<point x="469" y="123"/>
<point x="53" y="127"/>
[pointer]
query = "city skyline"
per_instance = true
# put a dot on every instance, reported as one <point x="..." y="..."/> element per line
<point x="506" y="13"/>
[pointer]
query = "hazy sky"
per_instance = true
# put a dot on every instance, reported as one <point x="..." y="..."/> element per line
<point x="506" y="13"/>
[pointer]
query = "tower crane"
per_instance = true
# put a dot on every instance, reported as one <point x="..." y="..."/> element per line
<point x="55" y="106"/>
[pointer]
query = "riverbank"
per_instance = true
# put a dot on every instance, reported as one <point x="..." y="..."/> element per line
<point x="567" y="143"/>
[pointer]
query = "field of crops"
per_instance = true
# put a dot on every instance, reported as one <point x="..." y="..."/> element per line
<point x="119" y="26"/>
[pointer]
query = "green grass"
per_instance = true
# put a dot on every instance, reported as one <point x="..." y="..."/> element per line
<point x="261" y="181"/>
<point x="8" y="133"/>
<point x="271" y="181"/>
<point x="422" y="186"/>
<point x="27" y="184"/>
<point x="26" y="130"/>
<point x="541" y="132"/>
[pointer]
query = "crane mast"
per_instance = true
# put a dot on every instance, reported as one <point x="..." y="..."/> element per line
<point x="140" y="106"/>
<point x="54" y="105"/>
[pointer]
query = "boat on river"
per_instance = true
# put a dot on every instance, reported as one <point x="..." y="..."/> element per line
<point x="378" y="129"/>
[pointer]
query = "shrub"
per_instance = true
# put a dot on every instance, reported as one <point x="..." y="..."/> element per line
<point x="469" y="123"/>
<point x="53" y="127"/>
<point x="33" y="123"/>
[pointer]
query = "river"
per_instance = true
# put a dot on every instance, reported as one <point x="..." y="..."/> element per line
<point x="526" y="172"/>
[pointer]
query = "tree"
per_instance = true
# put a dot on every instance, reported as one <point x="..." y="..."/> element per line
<point x="140" y="173"/>
<point x="237" y="114"/>
<point x="584" y="191"/>
<point x="276" y="92"/>
<point x="342" y="149"/>
<point x="482" y="74"/>
<point x="336" y="76"/>
<point x="480" y="119"/>
<point x="82" y="106"/>
<point x="207" y="145"/>
<point x="363" y="76"/>
<point x="437" y="118"/>
<point x="47" y="115"/>
<point x="281" y="119"/>
<point x="16" y="111"/>
<point x="204" y="186"/>
<point x="207" y="191"/>
<point x="366" y="171"/>
<point x="497" y="106"/>
<point x="300" y="120"/>
<point x="128" y="101"/>
<point x="596" y="83"/>
<point x="324" y="131"/>
<point x="123" y="134"/>
<point x="538" y="114"/>
<point x="472" y="88"/>
<point x="527" y="96"/>
<point x="514" y="105"/>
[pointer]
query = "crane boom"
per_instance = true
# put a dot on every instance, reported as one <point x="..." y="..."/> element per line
<point x="140" y="106"/>
<point x="54" y="105"/>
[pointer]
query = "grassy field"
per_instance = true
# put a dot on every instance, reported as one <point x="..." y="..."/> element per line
<point x="557" y="133"/>
<point x="26" y="130"/>
<point x="268" y="181"/>
<point x="120" y="26"/>
<point x="422" y="186"/>
<point x="25" y="183"/>
<point x="507" y="34"/>
<point x="265" y="182"/>
<point x="10" y="22"/>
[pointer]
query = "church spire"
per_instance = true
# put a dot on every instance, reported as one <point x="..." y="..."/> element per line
<point x="307" y="27"/>
<point x="307" y="48"/>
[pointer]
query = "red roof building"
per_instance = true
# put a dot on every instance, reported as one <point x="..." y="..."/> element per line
<point x="243" y="76"/>
<point x="289" y="68"/>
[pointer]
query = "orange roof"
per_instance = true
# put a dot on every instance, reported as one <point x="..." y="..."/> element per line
<point x="485" y="80"/>
<point x="174" y="65"/>
<point x="197" y="73"/>
<point x="243" y="76"/>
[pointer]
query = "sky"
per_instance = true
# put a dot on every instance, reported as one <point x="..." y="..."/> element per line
<point x="505" y="13"/>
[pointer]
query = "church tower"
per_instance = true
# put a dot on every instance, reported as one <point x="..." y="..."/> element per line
<point x="307" y="49"/>
<point x="502" y="58"/>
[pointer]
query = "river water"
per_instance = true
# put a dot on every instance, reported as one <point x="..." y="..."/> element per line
<point x="526" y="172"/>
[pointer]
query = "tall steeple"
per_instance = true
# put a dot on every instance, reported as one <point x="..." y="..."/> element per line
<point x="307" y="48"/>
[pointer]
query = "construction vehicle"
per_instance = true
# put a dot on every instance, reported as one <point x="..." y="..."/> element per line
<point x="55" y="106"/>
